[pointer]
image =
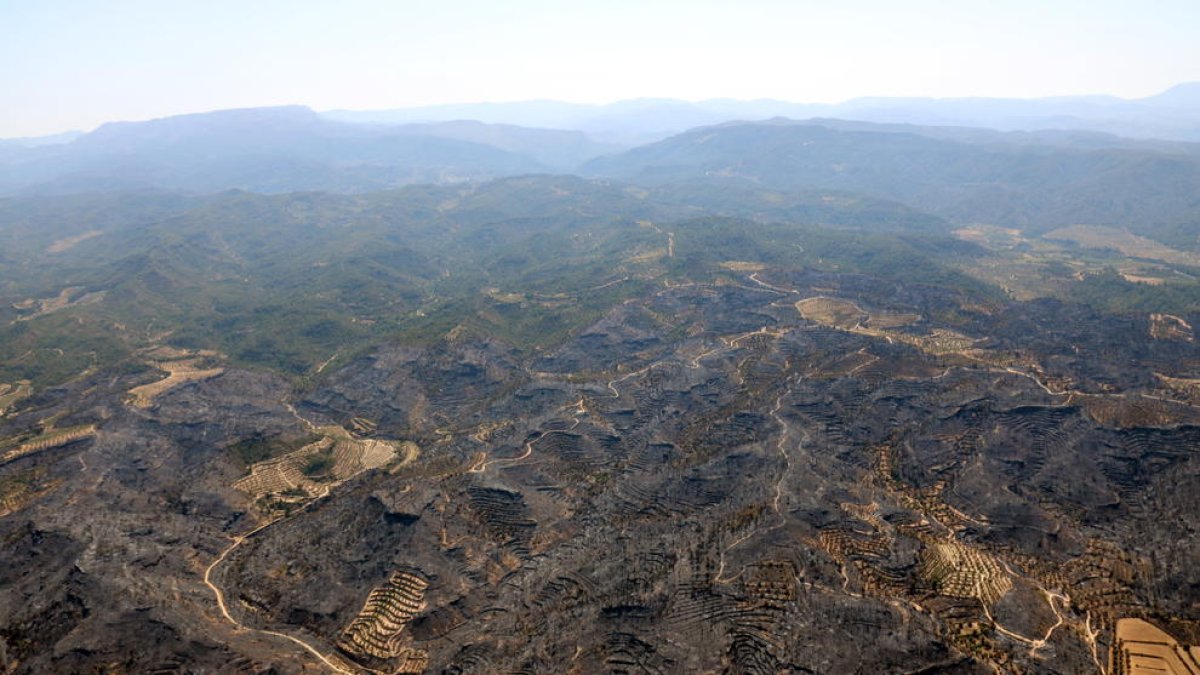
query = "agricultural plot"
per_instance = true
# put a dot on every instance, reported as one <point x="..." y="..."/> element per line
<point x="832" y="312"/>
<point x="11" y="393"/>
<point x="1026" y="276"/>
<point x="960" y="571"/>
<point x="991" y="236"/>
<point x="335" y="457"/>
<point x="376" y="636"/>
<point x="743" y="266"/>
<point x="68" y="243"/>
<point x="71" y="296"/>
<point x="848" y="316"/>
<point x="22" y="483"/>
<point x="1129" y="412"/>
<point x="14" y="498"/>
<point x="938" y="341"/>
<point x="1127" y="243"/>
<point x="884" y="320"/>
<point x="179" y="371"/>
<point x="1170" y="327"/>
<point x="1186" y="388"/>
<point x="283" y="474"/>
<point x="1152" y="275"/>
<point x="1141" y="648"/>
<point x="1102" y="582"/>
<point x="1105" y="266"/>
<point x="49" y="439"/>
<point x="17" y="491"/>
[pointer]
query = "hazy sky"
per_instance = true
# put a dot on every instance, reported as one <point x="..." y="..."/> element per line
<point x="75" y="64"/>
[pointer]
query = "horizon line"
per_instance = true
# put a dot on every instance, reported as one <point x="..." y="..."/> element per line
<point x="633" y="99"/>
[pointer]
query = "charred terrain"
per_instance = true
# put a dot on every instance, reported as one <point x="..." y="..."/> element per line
<point x="548" y="424"/>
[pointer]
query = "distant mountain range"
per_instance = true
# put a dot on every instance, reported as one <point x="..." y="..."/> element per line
<point x="1022" y="180"/>
<point x="1028" y="179"/>
<point x="1172" y="115"/>
<point x="283" y="149"/>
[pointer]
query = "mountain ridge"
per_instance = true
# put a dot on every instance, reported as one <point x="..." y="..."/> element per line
<point x="1170" y="115"/>
<point x="1036" y="186"/>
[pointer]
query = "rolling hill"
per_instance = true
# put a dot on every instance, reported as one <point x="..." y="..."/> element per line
<point x="282" y="150"/>
<point x="970" y="178"/>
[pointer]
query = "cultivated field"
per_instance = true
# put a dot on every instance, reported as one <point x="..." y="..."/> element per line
<point x="376" y="634"/>
<point x="960" y="571"/>
<point x="335" y="457"/>
<point x="71" y="296"/>
<point x="1170" y="327"/>
<point x="67" y="243"/>
<point x="991" y="236"/>
<point x="1141" y="648"/>
<point x="833" y="312"/>
<point x="743" y="266"/>
<point x="846" y="315"/>
<point x="1127" y="243"/>
<point x="178" y="372"/>
<point x="52" y="438"/>
<point x="11" y="393"/>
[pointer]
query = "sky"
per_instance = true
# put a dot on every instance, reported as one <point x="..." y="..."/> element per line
<point x="74" y="64"/>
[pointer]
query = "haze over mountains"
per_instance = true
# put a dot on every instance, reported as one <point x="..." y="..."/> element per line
<point x="1174" y="114"/>
<point x="264" y="149"/>
<point x="969" y="179"/>
<point x="294" y="148"/>
<point x="1062" y="169"/>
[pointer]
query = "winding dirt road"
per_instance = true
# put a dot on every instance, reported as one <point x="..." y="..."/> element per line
<point x="221" y="604"/>
<point x="237" y="541"/>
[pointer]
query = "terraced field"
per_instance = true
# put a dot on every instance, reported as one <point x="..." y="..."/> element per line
<point x="180" y="371"/>
<point x="19" y="490"/>
<point x="10" y="394"/>
<point x="72" y="296"/>
<point x="319" y="466"/>
<point x="1170" y="327"/>
<point x="1142" y="649"/>
<point x="14" y="449"/>
<point x="963" y="572"/>
<point x="845" y="315"/>
<point x="377" y="635"/>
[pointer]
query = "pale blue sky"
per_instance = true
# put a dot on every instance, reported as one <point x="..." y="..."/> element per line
<point x="67" y="64"/>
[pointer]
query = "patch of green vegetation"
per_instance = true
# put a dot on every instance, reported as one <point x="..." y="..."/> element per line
<point x="1108" y="291"/>
<point x="914" y="258"/>
<point x="12" y="394"/>
<point x="23" y="437"/>
<point x="23" y="480"/>
<point x="58" y="347"/>
<point x="249" y="451"/>
<point x="317" y="465"/>
<point x="284" y="282"/>
<point x="274" y="504"/>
